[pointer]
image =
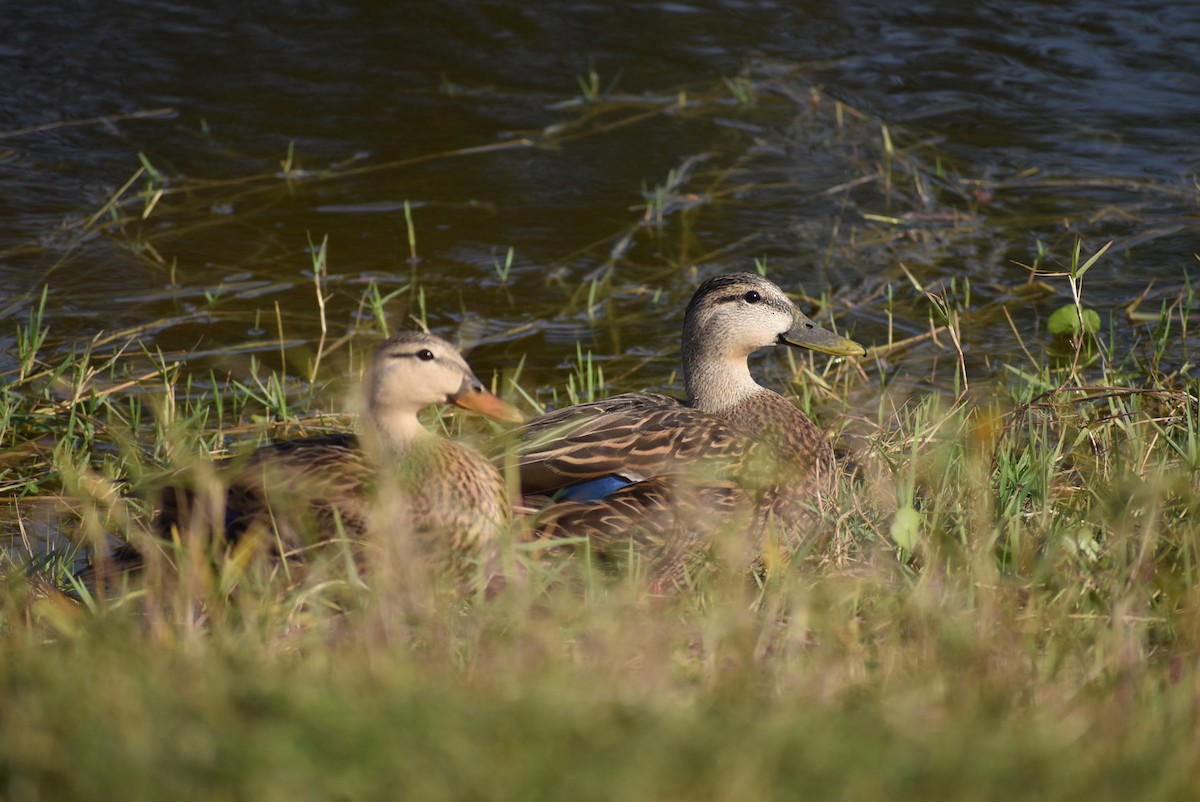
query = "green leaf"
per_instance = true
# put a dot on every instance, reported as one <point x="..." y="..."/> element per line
<point x="1064" y="321"/>
<point x="906" y="529"/>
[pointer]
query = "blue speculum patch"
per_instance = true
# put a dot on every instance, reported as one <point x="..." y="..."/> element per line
<point x="594" y="489"/>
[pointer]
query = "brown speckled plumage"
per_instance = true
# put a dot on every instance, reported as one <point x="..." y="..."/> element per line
<point x="736" y="455"/>
<point x="392" y="482"/>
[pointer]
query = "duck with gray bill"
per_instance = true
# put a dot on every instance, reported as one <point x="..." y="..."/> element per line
<point x="669" y="477"/>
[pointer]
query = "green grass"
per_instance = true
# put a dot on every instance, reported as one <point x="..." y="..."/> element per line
<point x="1006" y="605"/>
<point x="360" y="722"/>
<point x="1036" y="635"/>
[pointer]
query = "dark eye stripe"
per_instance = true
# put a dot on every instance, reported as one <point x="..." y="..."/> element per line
<point x="742" y="296"/>
<point x="425" y="355"/>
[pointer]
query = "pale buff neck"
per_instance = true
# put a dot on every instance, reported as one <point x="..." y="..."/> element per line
<point x="393" y="430"/>
<point x="715" y="379"/>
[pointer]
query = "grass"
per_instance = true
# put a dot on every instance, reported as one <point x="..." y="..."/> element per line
<point x="1005" y="606"/>
<point x="1036" y="634"/>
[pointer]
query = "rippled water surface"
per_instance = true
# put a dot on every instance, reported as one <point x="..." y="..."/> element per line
<point x="270" y="127"/>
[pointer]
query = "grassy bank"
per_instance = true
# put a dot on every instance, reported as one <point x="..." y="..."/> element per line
<point x="1006" y="605"/>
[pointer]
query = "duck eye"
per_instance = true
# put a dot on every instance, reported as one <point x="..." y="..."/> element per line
<point x="752" y="297"/>
<point x="424" y="355"/>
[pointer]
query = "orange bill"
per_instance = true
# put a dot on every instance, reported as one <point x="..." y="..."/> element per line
<point x="474" y="397"/>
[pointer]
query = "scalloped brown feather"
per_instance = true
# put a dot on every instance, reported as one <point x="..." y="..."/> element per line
<point x="703" y="474"/>
<point x="310" y="491"/>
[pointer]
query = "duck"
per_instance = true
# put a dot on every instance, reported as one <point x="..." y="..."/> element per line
<point x="661" y="477"/>
<point x="392" y="482"/>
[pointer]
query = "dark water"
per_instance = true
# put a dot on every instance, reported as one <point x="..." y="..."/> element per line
<point x="1074" y="117"/>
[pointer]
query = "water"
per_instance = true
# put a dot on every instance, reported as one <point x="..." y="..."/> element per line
<point x="1075" y="117"/>
<point x="1070" y="86"/>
